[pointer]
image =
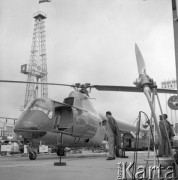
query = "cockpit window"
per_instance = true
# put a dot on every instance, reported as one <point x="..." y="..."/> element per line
<point x="44" y="105"/>
<point x="69" y="100"/>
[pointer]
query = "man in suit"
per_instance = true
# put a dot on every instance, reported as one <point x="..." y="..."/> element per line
<point x="114" y="135"/>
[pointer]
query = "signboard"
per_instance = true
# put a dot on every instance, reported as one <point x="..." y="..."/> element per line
<point x="6" y="148"/>
<point x="169" y="84"/>
<point x="43" y="149"/>
<point x="24" y="69"/>
<point x="173" y="102"/>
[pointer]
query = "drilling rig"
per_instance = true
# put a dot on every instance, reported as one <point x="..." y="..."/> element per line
<point x="36" y="70"/>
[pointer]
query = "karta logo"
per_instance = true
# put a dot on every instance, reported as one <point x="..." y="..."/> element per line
<point x="126" y="172"/>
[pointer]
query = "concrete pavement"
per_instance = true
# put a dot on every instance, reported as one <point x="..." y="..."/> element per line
<point x="84" y="166"/>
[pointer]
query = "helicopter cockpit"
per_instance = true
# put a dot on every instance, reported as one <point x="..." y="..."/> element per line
<point x="44" y="105"/>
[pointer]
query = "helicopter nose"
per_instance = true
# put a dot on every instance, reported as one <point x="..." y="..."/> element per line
<point x="32" y="122"/>
<point x="28" y="125"/>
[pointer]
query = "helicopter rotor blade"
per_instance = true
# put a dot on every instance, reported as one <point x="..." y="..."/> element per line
<point x="116" y="88"/>
<point x="98" y="87"/>
<point x="25" y="82"/>
<point x="140" y="61"/>
<point x="129" y="89"/>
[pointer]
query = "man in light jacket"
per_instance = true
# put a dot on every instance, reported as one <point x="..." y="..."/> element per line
<point x="114" y="135"/>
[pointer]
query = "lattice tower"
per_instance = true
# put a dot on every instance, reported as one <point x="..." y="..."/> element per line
<point x="37" y="68"/>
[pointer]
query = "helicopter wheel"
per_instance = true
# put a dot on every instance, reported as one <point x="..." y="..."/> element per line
<point x="120" y="152"/>
<point x="32" y="156"/>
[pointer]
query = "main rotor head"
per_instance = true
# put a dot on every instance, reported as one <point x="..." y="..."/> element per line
<point x="83" y="88"/>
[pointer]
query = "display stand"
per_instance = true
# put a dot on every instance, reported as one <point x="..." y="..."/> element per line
<point x="60" y="163"/>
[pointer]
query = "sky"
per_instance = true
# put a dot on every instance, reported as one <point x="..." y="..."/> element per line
<point x="89" y="41"/>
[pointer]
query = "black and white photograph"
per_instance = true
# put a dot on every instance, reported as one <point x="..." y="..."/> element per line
<point x="88" y="89"/>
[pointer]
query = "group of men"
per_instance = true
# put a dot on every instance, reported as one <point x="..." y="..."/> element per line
<point x="114" y="136"/>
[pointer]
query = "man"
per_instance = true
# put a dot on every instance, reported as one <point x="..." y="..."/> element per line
<point x="114" y="135"/>
<point x="164" y="149"/>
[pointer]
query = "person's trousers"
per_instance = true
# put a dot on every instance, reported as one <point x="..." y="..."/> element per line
<point x="111" y="142"/>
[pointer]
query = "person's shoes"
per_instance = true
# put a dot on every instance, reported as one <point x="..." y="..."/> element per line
<point x="110" y="158"/>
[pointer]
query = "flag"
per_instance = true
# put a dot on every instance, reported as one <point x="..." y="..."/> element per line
<point x="42" y="1"/>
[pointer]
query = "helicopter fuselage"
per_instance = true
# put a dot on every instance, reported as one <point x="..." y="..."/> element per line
<point x="44" y="120"/>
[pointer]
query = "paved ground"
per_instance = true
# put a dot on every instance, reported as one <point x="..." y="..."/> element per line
<point x="85" y="166"/>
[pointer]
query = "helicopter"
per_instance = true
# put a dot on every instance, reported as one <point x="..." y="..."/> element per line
<point x="45" y="120"/>
<point x="75" y="122"/>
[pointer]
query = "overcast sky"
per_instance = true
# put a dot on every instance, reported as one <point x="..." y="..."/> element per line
<point x="88" y="41"/>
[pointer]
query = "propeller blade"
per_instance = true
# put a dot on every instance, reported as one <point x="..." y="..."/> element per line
<point x="22" y="82"/>
<point x="143" y="79"/>
<point x="148" y="96"/>
<point x="140" y="61"/>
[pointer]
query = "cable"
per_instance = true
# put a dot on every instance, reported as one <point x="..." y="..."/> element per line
<point x="136" y="147"/>
<point x="137" y="142"/>
<point x="152" y="134"/>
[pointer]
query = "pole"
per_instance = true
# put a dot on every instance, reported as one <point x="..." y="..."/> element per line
<point x="175" y="27"/>
<point x="154" y="131"/>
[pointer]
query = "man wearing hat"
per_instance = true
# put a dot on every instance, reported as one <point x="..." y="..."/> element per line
<point x="114" y="135"/>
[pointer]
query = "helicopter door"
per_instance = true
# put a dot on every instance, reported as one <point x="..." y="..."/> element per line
<point x="64" y="118"/>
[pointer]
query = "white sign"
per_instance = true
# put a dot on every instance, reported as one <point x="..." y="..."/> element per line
<point x="6" y="148"/>
<point x="169" y="84"/>
<point x="25" y="149"/>
<point x="43" y="149"/>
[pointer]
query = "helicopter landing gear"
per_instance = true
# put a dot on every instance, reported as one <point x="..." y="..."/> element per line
<point x="120" y="152"/>
<point x="32" y="152"/>
<point x="32" y="155"/>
